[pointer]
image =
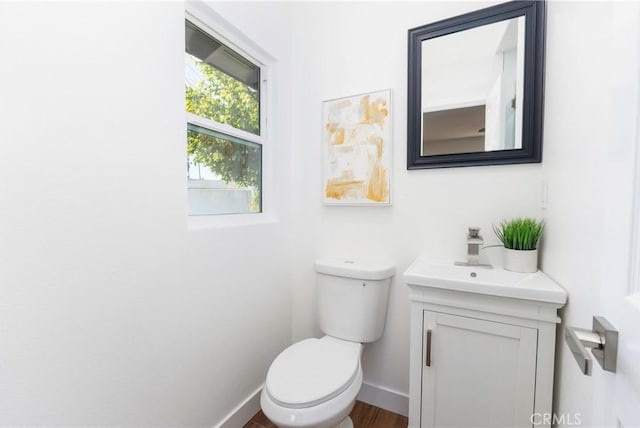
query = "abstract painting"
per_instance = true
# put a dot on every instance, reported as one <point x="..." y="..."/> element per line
<point x="357" y="149"/>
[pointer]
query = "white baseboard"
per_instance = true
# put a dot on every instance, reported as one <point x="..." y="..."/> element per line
<point x="384" y="398"/>
<point x="243" y="412"/>
<point x="378" y="396"/>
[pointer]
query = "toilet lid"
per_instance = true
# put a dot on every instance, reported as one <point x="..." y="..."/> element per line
<point x="310" y="372"/>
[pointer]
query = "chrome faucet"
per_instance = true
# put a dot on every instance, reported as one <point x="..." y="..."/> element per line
<point x="474" y="241"/>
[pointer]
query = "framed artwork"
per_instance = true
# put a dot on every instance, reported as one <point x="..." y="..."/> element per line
<point x="357" y="145"/>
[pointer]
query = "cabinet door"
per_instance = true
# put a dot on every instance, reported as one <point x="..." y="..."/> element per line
<point x="479" y="373"/>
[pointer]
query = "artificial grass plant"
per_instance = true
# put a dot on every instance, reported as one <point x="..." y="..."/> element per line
<point x="520" y="233"/>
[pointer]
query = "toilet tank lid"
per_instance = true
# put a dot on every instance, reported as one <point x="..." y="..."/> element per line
<point x="358" y="269"/>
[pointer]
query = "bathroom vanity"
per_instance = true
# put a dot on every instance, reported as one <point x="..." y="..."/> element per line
<point x="482" y="345"/>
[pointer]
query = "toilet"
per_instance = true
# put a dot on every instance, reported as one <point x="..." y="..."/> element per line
<point x="314" y="382"/>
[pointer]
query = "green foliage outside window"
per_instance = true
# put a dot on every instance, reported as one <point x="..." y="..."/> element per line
<point x="224" y="99"/>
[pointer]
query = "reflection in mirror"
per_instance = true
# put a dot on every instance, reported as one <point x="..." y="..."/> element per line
<point x="472" y="89"/>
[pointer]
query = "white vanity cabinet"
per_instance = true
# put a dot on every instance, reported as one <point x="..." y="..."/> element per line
<point x="481" y="373"/>
<point x="479" y="359"/>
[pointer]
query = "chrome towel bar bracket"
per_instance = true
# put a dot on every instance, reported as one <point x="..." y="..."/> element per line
<point x="602" y="339"/>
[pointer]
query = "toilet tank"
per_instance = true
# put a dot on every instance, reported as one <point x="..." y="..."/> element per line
<point x="352" y="298"/>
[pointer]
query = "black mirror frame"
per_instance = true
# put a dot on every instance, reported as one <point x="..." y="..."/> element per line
<point x="533" y="88"/>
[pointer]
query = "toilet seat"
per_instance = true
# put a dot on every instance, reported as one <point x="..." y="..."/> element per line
<point x="311" y="372"/>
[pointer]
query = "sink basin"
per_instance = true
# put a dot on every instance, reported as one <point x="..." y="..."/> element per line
<point x="445" y="274"/>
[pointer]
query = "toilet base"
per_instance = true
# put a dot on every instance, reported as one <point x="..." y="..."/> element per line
<point x="346" y="423"/>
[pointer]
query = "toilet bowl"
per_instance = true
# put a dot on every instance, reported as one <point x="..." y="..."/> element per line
<point x="314" y="383"/>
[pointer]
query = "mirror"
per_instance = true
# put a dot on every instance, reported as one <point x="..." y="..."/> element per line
<point x="475" y="88"/>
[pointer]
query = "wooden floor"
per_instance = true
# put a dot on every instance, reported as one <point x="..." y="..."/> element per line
<point x="363" y="416"/>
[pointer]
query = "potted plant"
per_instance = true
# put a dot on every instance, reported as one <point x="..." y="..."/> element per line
<point x="520" y="238"/>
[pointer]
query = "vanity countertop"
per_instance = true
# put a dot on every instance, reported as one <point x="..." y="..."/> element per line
<point x="444" y="274"/>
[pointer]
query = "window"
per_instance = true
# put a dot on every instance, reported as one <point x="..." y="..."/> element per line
<point x="224" y="127"/>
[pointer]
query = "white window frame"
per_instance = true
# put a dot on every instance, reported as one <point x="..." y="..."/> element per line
<point x="207" y="20"/>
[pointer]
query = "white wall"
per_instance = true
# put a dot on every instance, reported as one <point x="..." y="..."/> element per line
<point x="342" y="49"/>
<point x="113" y="312"/>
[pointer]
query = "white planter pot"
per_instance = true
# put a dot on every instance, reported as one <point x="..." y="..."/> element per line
<point x="520" y="260"/>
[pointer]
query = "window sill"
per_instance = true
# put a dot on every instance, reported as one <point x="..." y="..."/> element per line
<point x="200" y="222"/>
